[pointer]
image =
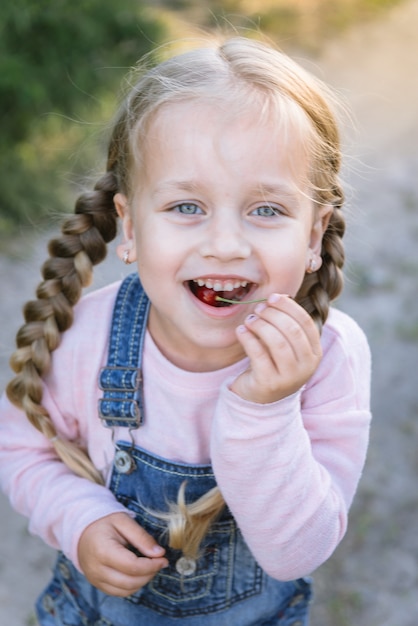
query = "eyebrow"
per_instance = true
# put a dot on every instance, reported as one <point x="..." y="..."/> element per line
<point x="285" y="190"/>
<point x="177" y="185"/>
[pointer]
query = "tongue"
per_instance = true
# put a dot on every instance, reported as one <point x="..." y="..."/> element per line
<point x="208" y="296"/>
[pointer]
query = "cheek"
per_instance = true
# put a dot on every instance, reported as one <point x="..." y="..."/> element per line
<point x="289" y="250"/>
<point x="287" y="267"/>
<point x="146" y="239"/>
<point x="156" y="265"/>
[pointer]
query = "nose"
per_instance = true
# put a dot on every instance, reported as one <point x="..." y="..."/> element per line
<point x="225" y="238"/>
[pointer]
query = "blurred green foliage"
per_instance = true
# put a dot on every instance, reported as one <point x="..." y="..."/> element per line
<point x="62" y="62"/>
<point x="58" y="60"/>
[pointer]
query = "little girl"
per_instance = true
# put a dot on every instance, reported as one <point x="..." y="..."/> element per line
<point x="191" y="439"/>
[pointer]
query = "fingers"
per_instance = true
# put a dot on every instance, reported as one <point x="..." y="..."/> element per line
<point x="284" y="323"/>
<point x="296" y="327"/>
<point x="283" y="345"/>
<point x="134" y="535"/>
<point x="118" y="583"/>
<point x="106" y="556"/>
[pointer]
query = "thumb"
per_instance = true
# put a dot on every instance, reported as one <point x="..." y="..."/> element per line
<point x="137" y="538"/>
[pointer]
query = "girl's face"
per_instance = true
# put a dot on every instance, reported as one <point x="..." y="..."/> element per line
<point x="221" y="207"/>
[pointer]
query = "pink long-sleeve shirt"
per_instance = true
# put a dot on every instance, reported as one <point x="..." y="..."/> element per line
<point x="288" y="470"/>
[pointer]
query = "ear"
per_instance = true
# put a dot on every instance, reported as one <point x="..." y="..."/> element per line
<point x="126" y="251"/>
<point x="319" y="226"/>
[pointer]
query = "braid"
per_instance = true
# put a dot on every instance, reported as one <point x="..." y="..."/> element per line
<point x="320" y="288"/>
<point x="65" y="273"/>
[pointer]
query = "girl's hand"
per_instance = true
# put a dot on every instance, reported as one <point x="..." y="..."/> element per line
<point x="283" y="345"/>
<point x="109" y="564"/>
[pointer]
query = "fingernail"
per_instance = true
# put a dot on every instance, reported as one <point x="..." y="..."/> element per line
<point x="260" y="307"/>
<point x="251" y="318"/>
<point x="275" y="297"/>
<point x="241" y="329"/>
<point x="158" y="550"/>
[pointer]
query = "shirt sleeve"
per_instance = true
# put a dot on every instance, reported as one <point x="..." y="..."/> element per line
<point x="289" y="470"/>
<point x="59" y="504"/>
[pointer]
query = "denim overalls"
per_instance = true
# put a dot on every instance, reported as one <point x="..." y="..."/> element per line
<point x="225" y="586"/>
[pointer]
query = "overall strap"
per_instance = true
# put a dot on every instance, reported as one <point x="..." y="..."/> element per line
<point x="121" y="380"/>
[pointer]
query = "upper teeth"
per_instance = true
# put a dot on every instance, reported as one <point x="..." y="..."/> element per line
<point x="219" y="285"/>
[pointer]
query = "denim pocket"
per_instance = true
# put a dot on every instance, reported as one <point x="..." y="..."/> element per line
<point x="224" y="573"/>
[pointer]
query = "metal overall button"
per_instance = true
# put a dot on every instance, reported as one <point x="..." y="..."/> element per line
<point x="48" y="603"/>
<point x="64" y="571"/>
<point x="124" y="463"/>
<point x="186" y="566"/>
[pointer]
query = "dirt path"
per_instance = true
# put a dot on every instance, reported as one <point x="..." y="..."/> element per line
<point x="372" y="578"/>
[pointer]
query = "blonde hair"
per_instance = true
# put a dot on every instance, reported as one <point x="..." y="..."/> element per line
<point x="237" y="70"/>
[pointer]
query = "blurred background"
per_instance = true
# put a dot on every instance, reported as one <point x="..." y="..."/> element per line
<point x="61" y="64"/>
<point x="61" y="68"/>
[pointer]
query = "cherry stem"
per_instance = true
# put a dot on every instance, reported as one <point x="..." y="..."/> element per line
<point x="220" y="299"/>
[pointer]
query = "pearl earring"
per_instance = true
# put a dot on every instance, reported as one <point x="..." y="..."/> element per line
<point x="312" y="265"/>
<point x="125" y="257"/>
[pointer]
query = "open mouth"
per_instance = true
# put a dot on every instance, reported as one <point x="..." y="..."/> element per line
<point x="220" y="294"/>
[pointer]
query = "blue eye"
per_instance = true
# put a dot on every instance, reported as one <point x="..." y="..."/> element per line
<point x="187" y="208"/>
<point x="267" y="211"/>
